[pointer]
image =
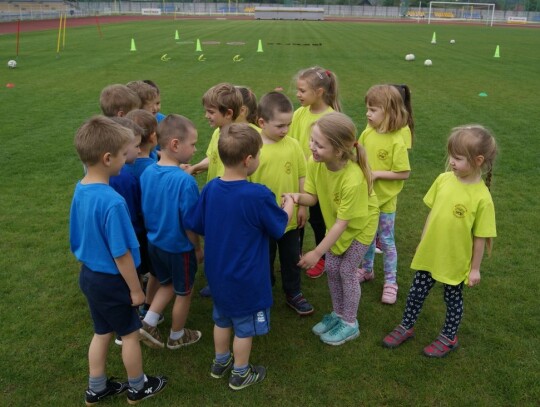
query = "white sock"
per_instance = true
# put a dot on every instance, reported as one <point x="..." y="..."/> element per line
<point x="177" y="334"/>
<point x="151" y="318"/>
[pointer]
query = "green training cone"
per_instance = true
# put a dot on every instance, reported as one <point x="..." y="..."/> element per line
<point x="434" y="38"/>
<point x="198" y="49"/>
<point x="133" y="47"/>
<point x="259" y="47"/>
<point x="176" y="36"/>
<point x="497" y="54"/>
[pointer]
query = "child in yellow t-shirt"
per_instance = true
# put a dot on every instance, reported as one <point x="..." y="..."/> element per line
<point x="461" y="221"/>
<point x="282" y="168"/>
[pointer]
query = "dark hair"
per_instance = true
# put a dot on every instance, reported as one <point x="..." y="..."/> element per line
<point x="405" y="93"/>
<point x="272" y="103"/>
<point x="250" y="102"/>
<point x="236" y="142"/>
<point x="146" y="120"/>
<point x="128" y="123"/>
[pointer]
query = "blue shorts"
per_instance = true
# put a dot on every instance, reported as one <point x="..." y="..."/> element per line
<point x="178" y="268"/>
<point x="109" y="302"/>
<point x="244" y="327"/>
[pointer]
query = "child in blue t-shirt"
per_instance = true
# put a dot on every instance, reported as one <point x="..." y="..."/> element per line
<point x="103" y="240"/>
<point x="238" y="218"/>
<point x="168" y="194"/>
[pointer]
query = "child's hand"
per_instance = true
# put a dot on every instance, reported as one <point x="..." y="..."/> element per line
<point x="199" y="254"/>
<point x="309" y="260"/>
<point x="137" y="297"/>
<point x="187" y="168"/>
<point x="301" y="217"/>
<point x="474" y="278"/>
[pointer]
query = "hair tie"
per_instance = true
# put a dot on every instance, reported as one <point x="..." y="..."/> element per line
<point x="327" y="73"/>
<point x="355" y="144"/>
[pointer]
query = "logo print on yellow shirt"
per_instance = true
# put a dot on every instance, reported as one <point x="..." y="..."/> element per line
<point x="460" y="211"/>
<point x="337" y="199"/>
<point x="214" y="158"/>
<point x="288" y="166"/>
<point x="382" y="154"/>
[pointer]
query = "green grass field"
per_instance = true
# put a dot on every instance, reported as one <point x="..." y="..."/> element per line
<point x="46" y="325"/>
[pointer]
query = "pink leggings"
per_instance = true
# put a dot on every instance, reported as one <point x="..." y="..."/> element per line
<point x="343" y="280"/>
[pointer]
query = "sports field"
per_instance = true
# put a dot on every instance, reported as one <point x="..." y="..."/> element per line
<point x="46" y="327"/>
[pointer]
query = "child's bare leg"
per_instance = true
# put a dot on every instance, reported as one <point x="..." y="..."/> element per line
<point x="242" y="350"/>
<point x="97" y="354"/>
<point x="180" y="312"/>
<point x="163" y="296"/>
<point x="151" y="288"/>
<point x="222" y="338"/>
<point x="131" y="354"/>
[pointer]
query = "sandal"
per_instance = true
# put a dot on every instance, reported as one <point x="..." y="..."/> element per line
<point x="398" y="336"/>
<point x="441" y="347"/>
<point x="364" y="275"/>
<point x="389" y="294"/>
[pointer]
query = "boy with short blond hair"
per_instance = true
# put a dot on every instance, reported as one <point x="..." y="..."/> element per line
<point x="149" y="95"/>
<point x="237" y="219"/>
<point x="103" y="240"/>
<point x="118" y="100"/>
<point x="282" y="168"/>
<point x="168" y="194"/>
<point x="222" y="104"/>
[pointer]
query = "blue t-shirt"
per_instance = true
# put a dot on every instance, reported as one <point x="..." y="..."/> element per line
<point x="140" y="165"/>
<point x="127" y="185"/>
<point x="153" y="153"/>
<point x="168" y="193"/>
<point x="237" y="218"/>
<point x="100" y="229"/>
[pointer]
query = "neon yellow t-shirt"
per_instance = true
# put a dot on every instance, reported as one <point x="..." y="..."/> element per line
<point x="281" y="165"/>
<point x="215" y="165"/>
<point x="342" y="195"/>
<point x="406" y="134"/>
<point x="386" y="152"/>
<point x="300" y="128"/>
<point x="459" y="212"/>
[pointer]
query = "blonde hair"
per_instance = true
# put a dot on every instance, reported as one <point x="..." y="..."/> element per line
<point x="236" y="142"/>
<point x="341" y="132"/>
<point x="249" y="100"/>
<point x="145" y="91"/>
<point x="100" y="135"/>
<point x="128" y="123"/>
<point x="320" y="78"/>
<point x="389" y="99"/>
<point x="118" y="98"/>
<point x="471" y="141"/>
<point x="174" y="126"/>
<point x="224" y="96"/>
<point x="146" y="120"/>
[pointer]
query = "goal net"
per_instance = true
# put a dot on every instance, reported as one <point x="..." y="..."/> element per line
<point x="472" y="12"/>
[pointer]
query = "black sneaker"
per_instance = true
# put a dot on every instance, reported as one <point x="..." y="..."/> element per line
<point x="254" y="374"/>
<point x="113" y="388"/>
<point x="218" y="370"/>
<point x="300" y="305"/>
<point x="152" y="386"/>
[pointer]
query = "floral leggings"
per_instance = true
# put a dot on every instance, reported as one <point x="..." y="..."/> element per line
<point x="385" y="232"/>
<point x="343" y="280"/>
<point x="453" y="298"/>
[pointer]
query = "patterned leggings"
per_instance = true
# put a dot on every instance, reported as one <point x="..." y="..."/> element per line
<point x="385" y="232"/>
<point x="343" y="280"/>
<point x="453" y="298"/>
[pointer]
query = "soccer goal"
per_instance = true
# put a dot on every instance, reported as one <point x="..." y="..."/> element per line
<point x="472" y="12"/>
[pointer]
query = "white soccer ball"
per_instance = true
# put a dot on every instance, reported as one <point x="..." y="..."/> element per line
<point x="409" y="57"/>
<point x="428" y="62"/>
<point x="452" y="41"/>
<point x="12" y="64"/>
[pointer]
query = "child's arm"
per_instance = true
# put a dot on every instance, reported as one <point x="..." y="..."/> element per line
<point x="127" y="269"/>
<point x="201" y="166"/>
<point x="301" y="216"/>
<point x="479" y="243"/>
<point x="311" y="258"/>
<point x="194" y="238"/>
<point x="288" y="206"/>
<point x="304" y="199"/>
<point x="390" y="175"/>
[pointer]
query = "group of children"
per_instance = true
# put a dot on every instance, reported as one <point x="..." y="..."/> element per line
<point x="266" y="165"/>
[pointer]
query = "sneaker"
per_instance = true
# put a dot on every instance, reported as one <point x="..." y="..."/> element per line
<point x="441" y="347"/>
<point x="364" y="275"/>
<point x="328" y="322"/>
<point x="118" y="340"/>
<point x="205" y="292"/>
<point x="254" y="374"/>
<point x="300" y="305"/>
<point x="317" y="270"/>
<point x="190" y="337"/>
<point x="219" y="370"/>
<point x="341" y="333"/>
<point x="150" y="336"/>
<point x="113" y="387"/>
<point x="398" y="336"/>
<point x="152" y="386"/>
<point x="389" y="294"/>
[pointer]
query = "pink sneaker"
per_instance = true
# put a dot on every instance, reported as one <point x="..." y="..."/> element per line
<point x="398" y="336"/>
<point x="441" y="347"/>
<point x="317" y="270"/>
<point x="364" y="275"/>
<point x="389" y="294"/>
